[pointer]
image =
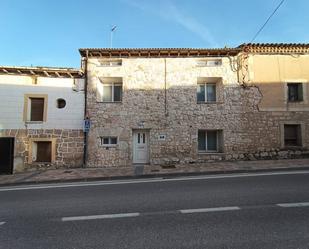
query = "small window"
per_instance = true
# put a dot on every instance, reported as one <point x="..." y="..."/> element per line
<point x="209" y="63"/>
<point x="42" y="151"/>
<point x="109" y="141"/>
<point x="36" y="109"/>
<point x="209" y="141"/>
<point x="295" y="92"/>
<point x="292" y="135"/>
<point x="206" y="92"/>
<point x="61" y="103"/>
<point x="110" y="63"/>
<point x="111" y="92"/>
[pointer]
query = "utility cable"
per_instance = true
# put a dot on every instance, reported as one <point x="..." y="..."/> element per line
<point x="263" y="26"/>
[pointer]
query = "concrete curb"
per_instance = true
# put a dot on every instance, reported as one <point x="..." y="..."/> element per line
<point x="155" y="175"/>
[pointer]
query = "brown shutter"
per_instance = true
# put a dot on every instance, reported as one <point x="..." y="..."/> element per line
<point x="37" y="109"/>
<point x="43" y="152"/>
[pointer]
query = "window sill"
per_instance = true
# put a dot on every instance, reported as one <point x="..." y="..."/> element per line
<point x="295" y="101"/>
<point x="36" y="163"/>
<point x="293" y="147"/>
<point x="110" y="102"/>
<point x="109" y="145"/>
<point x="210" y="103"/>
<point x="34" y="122"/>
<point x="211" y="153"/>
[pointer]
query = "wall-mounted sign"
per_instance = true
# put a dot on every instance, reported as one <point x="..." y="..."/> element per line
<point x="141" y="124"/>
<point x="87" y="124"/>
<point x="162" y="137"/>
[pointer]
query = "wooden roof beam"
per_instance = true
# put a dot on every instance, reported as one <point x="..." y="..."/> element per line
<point x="46" y="73"/>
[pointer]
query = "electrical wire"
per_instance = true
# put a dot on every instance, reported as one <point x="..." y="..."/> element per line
<point x="263" y="26"/>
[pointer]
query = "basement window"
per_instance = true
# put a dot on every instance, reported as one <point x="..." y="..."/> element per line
<point x="292" y="135"/>
<point x="206" y="92"/>
<point x="295" y="92"/>
<point x="109" y="141"/>
<point x="210" y="141"/>
<point x="42" y="151"/>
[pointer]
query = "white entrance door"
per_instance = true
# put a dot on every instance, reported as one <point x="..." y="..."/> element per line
<point x="140" y="146"/>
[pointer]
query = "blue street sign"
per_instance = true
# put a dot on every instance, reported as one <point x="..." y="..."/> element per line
<point x="87" y="125"/>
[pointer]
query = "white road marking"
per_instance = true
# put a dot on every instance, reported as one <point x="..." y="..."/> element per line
<point x="2" y="223"/>
<point x="299" y="204"/>
<point x="206" y="210"/>
<point x="103" y="216"/>
<point x="147" y="180"/>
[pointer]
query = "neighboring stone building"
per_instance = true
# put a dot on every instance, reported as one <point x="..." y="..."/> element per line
<point x="169" y="106"/>
<point x="42" y="111"/>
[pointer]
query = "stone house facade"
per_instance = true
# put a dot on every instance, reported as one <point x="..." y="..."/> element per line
<point x="41" y="121"/>
<point x="170" y="106"/>
<point x="157" y="107"/>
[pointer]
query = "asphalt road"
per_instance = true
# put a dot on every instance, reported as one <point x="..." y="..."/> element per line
<point x="242" y="211"/>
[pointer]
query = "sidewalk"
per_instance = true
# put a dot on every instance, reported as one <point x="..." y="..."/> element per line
<point x="91" y="174"/>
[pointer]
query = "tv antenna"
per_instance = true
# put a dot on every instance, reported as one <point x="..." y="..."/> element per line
<point x="113" y="28"/>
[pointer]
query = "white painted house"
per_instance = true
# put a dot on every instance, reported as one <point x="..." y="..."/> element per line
<point x="42" y="112"/>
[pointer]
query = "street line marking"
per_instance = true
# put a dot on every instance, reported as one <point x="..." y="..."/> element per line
<point x="2" y="223"/>
<point x="147" y="180"/>
<point x="288" y="205"/>
<point x="103" y="216"/>
<point x="206" y="210"/>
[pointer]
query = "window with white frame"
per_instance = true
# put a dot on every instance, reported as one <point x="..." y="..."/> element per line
<point x="210" y="141"/>
<point x="109" y="141"/>
<point x="109" y="91"/>
<point x="207" y="92"/>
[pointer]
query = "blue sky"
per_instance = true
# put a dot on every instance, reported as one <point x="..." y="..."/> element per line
<point x="49" y="32"/>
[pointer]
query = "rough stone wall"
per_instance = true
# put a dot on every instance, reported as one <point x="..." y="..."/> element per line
<point x="69" y="147"/>
<point x="247" y="132"/>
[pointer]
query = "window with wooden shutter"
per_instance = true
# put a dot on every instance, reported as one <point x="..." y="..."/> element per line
<point x="292" y="135"/>
<point x="43" y="151"/>
<point x="37" y="109"/>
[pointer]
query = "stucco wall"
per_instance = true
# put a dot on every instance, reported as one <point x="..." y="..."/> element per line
<point x="271" y="73"/>
<point x="13" y="89"/>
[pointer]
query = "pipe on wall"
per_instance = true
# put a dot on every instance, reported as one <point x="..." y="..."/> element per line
<point x="85" y="156"/>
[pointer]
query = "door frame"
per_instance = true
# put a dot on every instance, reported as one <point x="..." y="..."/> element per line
<point x="147" y="131"/>
<point x="12" y="152"/>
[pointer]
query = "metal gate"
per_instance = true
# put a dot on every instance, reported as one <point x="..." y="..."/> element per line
<point x="6" y="155"/>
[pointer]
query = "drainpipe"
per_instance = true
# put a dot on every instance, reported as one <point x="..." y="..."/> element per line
<point x="165" y="89"/>
<point x="85" y="156"/>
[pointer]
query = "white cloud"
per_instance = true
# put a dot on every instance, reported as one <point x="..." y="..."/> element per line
<point x="169" y="11"/>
